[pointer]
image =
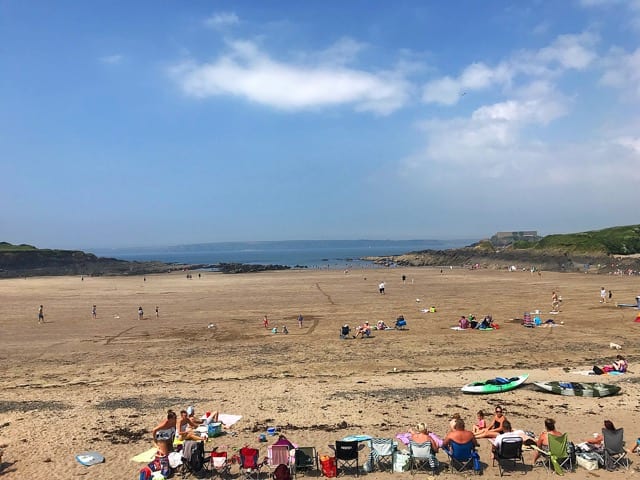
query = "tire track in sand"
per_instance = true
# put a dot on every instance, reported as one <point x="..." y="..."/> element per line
<point x="325" y="294"/>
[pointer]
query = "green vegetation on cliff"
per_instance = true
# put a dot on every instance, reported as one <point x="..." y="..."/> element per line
<point x="613" y="241"/>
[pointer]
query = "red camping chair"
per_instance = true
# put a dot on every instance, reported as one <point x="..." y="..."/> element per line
<point x="250" y="465"/>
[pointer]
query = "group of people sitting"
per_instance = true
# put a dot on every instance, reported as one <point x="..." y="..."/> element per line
<point x="471" y="322"/>
<point x="364" y="329"/>
<point x="497" y="430"/>
<point x="171" y="433"/>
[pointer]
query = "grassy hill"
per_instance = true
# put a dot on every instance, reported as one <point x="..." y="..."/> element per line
<point x="615" y="240"/>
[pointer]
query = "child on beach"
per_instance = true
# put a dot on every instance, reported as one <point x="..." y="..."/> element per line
<point x="481" y="424"/>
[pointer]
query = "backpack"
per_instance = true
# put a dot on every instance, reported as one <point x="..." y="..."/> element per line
<point x="282" y="472"/>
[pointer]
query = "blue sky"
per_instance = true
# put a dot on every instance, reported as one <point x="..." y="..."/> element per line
<point x="168" y="122"/>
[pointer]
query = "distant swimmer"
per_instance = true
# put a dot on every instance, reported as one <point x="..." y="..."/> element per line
<point x="41" y="314"/>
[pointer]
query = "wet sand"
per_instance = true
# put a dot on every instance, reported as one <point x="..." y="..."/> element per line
<point x="75" y="384"/>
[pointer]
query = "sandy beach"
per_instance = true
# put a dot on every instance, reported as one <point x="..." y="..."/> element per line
<point x="76" y="383"/>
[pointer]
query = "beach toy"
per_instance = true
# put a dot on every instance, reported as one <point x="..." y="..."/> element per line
<point x="271" y="431"/>
<point x="262" y="437"/>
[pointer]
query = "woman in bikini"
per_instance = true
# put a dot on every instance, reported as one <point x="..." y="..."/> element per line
<point x="496" y="425"/>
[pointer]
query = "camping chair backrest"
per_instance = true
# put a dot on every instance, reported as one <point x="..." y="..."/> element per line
<point x="558" y="445"/>
<point x="420" y="450"/>
<point x="248" y="457"/>
<point x="306" y="457"/>
<point x="613" y="440"/>
<point x="510" y="448"/>
<point x="346" y="450"/>
<point x="278" y="455"/>
<point x="462" y="451"/>
<point x="219" y="459"/>
<point x="382" y="446"/>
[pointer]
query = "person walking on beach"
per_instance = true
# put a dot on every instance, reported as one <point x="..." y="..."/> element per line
<point x="140" y="313"/>
<point x="381" y="288"/>
<point x="265" y="322"/>
<point x="41" y="314"/>
<point x="555" y="302"/>
<point x="93" y="312"/>
<point x="300" y="318"/>
<point x="603" y="295"/>
<point x="157" y="312"/>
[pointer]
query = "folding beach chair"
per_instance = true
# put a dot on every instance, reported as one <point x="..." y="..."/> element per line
<point x="193" y="458"/>
<point x="421" y="457"/>
<point x="219" y="465"/>
<point x="510" y="451"/>
<point x="306" y="460"/>
<point x="461" y="457"/>
<point x="382" y="453"/>
<point x="347" y="456"/>
<point x="614" y="453"/>
<point x="557" y="458"/>
<point x="250" y="465"/>
<point x="280" y="455"/>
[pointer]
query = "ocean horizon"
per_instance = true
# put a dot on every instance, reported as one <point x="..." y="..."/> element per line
<point x="292" y="253"/>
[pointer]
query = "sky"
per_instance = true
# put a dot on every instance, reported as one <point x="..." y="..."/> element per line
<point x="166" y="122"/>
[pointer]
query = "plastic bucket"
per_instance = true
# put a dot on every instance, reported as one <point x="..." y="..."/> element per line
<point x="328" y="466"/>
<point x="271" y="431"/>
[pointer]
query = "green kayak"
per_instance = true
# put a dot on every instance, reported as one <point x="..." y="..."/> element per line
<point x="495" y="385"/>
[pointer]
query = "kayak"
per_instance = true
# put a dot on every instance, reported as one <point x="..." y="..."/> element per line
<point x="578" y="389"/>
<point x="495" y="385"/>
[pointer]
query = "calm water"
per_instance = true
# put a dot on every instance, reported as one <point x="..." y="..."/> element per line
<point x="309" y="253"/>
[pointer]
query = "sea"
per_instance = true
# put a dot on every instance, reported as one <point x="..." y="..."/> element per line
<point x="333" y="254"/>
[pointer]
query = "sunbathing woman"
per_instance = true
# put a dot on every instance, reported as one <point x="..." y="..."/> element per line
<point x="168" y="425"/>
<point x="421" y="435"/>
<point x="185" y="426"/>
<point x="496" y="426"/>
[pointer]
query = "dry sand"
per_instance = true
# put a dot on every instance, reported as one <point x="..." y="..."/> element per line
<point x="77" y="384"/>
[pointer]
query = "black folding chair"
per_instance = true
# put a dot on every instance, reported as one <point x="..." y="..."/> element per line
<point x="614" y="453"/>
<point x="306" y="460"/>
<point x="509" y="452"/>
<point x="347" y="456"/>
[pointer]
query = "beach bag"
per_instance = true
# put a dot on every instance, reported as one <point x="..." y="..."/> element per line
<point x="477" y="466"/>
<point x="586" y="461"/>
<point x="282" y="472"/>
<point x="597" y="370"/>
<point x="401" y="462"/>
<point x="328" y="466"/>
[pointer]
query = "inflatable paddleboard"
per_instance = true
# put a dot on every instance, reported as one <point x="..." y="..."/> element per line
<point x="578" y="389"/>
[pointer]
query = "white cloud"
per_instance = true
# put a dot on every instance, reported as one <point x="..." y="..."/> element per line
<point x="622" y="71"/>
<point x="222" y="19"/>
<point x="564" y="53"/>
<point x="631" y="143"/>
<point x="247" y="72"/>
<point x="112" y="59"/>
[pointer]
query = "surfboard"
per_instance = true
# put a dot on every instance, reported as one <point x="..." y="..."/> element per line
<point x="89" y="458"/>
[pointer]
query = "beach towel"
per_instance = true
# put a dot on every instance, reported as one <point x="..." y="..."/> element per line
<point x="228" y="419"/>
<point x="146" y="456"/>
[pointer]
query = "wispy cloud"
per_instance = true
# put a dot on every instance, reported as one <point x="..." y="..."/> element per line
<point x="564" y="53"/>
<point x="247" y="72"/>
<point x="111" y="59"/>
<point x="622" y="71"/>
<point x="222" y="19"/>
